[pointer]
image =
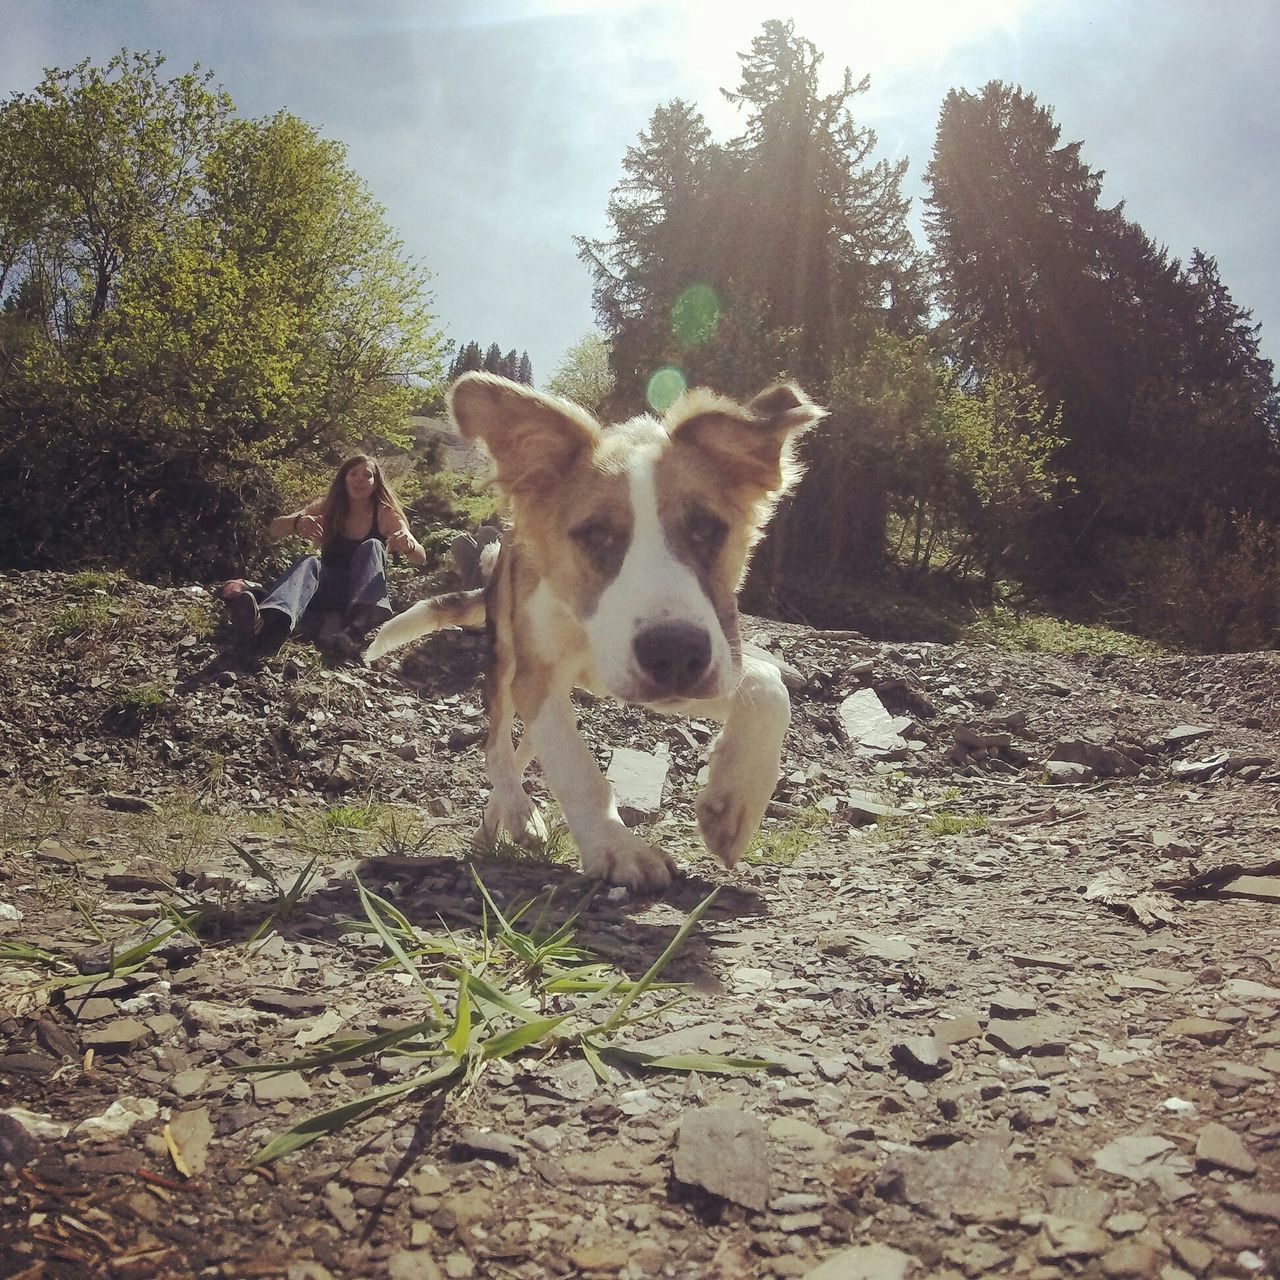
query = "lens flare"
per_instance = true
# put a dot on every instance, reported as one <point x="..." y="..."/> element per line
<point x="665" y="387"/>
<point x="695" y="317"/>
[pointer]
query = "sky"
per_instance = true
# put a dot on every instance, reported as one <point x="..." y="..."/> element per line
<point x="492" y="131"/>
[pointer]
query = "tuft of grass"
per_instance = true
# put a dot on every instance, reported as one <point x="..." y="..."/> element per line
<point x="287" y="895"/>
<point x="200" y="618"/>
<point x="119" y="963"/>
<point x="94" y="617"/>
<point x="1041" y="633"/>
<point x="524" y="987"/>
<point x="140" y="703"/>
<point x="72" y="622"/>
<point x="181" y="833"/>
<point x="406" y="836"/>
<point x="945" y="823"/>
<point x="781" y="843"/>
<point x="556" y="846"/>
<point x="90" y="582"/>
<point x="351" y="817"/>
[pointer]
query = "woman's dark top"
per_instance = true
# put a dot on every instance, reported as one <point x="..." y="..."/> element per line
<point x="336" y="554"/>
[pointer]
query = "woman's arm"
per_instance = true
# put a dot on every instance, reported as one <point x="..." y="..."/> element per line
<point x="398" y="538"/>
<point x="304" y="521"/>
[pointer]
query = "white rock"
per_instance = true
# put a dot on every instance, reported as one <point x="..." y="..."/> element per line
<point x="118" y="1119"/>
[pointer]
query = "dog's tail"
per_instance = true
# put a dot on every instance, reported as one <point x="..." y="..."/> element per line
<point x="455" y="609"/>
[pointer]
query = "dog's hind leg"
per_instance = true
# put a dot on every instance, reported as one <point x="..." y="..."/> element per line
<point x="509" y="807"/>
<point x="609" y="851"/>
<point x="745" y="759"/>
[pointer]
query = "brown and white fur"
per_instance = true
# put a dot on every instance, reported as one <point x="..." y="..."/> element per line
<point x="620" y="576"/>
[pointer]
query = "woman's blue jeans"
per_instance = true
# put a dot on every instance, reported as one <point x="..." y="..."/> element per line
<point x="311" y="584"/>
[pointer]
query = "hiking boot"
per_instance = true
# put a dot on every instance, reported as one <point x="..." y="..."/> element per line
<point x="273" y="630"/>
<point x="350" y="643"/>
<point x="245" y="618"/>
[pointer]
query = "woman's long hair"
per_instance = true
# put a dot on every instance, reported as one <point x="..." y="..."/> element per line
<point x="337" y="504"/>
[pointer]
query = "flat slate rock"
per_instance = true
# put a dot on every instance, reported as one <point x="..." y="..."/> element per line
<point x="866" y="1262"/>
<point x="119" y="1037"/>
<point x="637" y="778"/>
<point x="1223" y="1148"/>
<point x="724" y="1152"/>
<point x="1260" y="888"/>
<point x="1040" y="1037"/>
<point x="1203" y="1030"/>
<point x="866" y="722"/>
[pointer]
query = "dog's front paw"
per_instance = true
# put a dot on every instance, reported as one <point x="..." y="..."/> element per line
<point x="731" y="807"/>
<point x="727" y="825"/>
<point x="619" y="857"/>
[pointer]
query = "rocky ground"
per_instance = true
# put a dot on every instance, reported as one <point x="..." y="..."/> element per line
<point x="1010" y="945"/>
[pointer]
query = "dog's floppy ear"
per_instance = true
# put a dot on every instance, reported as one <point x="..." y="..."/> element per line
<point x="534" y="439"/>
<point x="752" y="443"/>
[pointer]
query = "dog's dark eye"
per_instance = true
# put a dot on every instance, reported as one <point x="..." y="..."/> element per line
<point x="705" y="532"/>
<point x="602" y="542"/>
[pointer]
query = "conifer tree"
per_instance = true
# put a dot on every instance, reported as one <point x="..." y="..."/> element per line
<point x="1167" y="405"/>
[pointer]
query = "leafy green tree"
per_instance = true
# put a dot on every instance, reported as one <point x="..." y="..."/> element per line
<point x="584" y="375"/>
<point x="194" y="304"/>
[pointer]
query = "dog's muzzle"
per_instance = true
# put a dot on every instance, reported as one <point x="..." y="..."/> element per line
<point x="674" y="656"/>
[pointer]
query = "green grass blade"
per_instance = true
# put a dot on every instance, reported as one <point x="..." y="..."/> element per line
<point x="392" y="943"/>
<point x="345" y="1050"/>
<point x="659" y="964"/>
<point x="324" y="1122"/>
<point x="24" y="951"/>
<point x="510" y="1042"/>
<point x="135" y="955"/>
<point x="500" y="999"/>
<point x="459" y="1039"/>
<point x="717" y="1063"/>
<point x="595" y="1061"/>
<point x="493" y="906"/>
<point x="290" y="899"/>
<point x="255" y="865"/>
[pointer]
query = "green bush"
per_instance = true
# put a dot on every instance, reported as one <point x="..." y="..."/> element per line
<point x="1216" y="589"/>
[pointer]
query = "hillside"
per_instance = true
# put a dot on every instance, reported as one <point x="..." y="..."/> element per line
<point x="1013" y="1026"/>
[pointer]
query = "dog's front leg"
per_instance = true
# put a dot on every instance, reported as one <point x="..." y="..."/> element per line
<point x="609" y="851"/>
<point x="745" y="759"/>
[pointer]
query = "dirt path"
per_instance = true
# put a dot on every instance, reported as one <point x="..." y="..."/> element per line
<point x="982" y="1061"/>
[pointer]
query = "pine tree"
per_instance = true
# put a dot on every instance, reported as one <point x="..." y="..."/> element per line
<point x="524" y="373"/>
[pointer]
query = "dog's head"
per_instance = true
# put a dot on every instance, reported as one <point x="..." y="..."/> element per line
<point x="643" y="529"/>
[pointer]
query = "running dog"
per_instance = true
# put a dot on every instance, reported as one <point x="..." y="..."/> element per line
<point x="620" y="575"/>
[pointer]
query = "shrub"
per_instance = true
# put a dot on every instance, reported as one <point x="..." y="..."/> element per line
<point x="1216" y="588"/>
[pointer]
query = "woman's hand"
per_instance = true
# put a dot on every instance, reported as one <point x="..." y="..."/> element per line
<point x="309" y="526"/>
<point x="406" y="544"/>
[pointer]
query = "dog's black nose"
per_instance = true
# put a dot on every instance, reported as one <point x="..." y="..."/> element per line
<point x="674" y="655"/>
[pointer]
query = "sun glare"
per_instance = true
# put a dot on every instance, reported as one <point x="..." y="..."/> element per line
<point x="869" y="38"/>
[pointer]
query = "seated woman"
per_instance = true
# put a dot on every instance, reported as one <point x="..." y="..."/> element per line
<point x="355" y="525"/>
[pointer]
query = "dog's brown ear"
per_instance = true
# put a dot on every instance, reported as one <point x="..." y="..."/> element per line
<point x="752" y="443"/>
<point x="533" y="439"/>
